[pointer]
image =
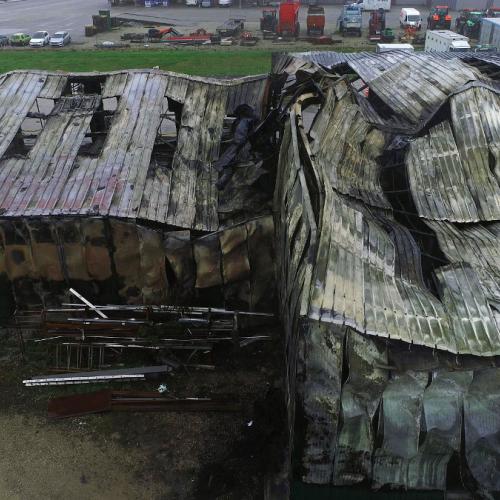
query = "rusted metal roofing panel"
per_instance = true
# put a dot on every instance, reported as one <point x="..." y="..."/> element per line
<point x="54" y="86"/>
<point x="18" y="93"/>
<point x="418" y="85"/>
<point x="36" y="188"/>
<point x="193" y="179"/>
<point x="126" y="156"/>
<point x="115" y="85"/>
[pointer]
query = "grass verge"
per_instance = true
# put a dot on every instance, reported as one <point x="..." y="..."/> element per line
<point x="202" y="62"/>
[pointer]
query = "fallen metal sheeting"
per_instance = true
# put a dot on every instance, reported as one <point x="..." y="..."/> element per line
<point x="92" y="377"/>
<point x="103" y="401"/>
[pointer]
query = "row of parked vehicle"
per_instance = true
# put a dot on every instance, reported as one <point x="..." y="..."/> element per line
<point x="38" y="39"/>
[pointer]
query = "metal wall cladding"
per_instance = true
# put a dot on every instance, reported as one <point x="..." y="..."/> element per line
<point x="321" y="377"/>
<point x="111" y="260"/>
<point x="295" y="229"/>
<point x="389" y="427"/>
<point x="123" y="179"/>
<point x="482" y="428"/>
<point x="360" y="401"/>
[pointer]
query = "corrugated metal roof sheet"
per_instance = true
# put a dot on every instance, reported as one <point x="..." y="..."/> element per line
<point x="418" y="85"/>
<point x="123" y="180"/>
<point x="346" y="148"/>
<point x="449" y="169"/>
<point x="476" y="244"/>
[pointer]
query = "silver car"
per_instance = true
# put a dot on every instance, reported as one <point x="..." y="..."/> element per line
<point x="59" y="39"/>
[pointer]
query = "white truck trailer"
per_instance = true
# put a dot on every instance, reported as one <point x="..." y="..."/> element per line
<point x="369" y="5"/>
<point x="445" y="41"/>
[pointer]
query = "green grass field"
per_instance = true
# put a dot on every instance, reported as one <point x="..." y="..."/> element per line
<point x="202" y="62"/>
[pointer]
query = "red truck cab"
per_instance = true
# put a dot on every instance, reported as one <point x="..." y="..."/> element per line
<point x="288" y="22"/>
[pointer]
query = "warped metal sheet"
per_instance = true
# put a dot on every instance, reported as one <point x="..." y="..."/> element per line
<point x="417" y="86"/>
<point x="476" y="244"/>
<point x="114" y="171"/>
<point x="355" y="282"/>
<point x="401" y="420"/>
<point x="360" y="399"/>
<point x="438" y="178"/>
<point x="475" y="117"/>
<point x="482" y="428"/>
<point x="346" y="148"/>
<point x="442" y="407"/>
<point x="54" y="86"/>
<point x="322" y="372"/>
<point x="471" y="316"/>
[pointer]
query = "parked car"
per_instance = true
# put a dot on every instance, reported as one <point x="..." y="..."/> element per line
<point x="192" y="3"/>
<point x="206" y="3"/>
<point x="20" y="39"/>
<point x="40" y="39"/>
<point x="4" y="40"/>
<point x="59" y="39"/>
<point x="225" y="3"/>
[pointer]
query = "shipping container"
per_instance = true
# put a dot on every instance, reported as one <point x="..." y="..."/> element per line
<point x="490" y="32"/>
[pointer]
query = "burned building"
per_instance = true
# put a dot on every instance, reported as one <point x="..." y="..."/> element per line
<point x="381" y="242"/>
<point x="108" y="185"/>
<point x="389" y="200"/>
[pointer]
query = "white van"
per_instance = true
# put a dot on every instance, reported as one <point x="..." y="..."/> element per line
<point x="410" y="17"/>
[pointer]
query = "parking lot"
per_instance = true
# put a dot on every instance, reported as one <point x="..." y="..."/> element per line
<point x="72" y="15"/>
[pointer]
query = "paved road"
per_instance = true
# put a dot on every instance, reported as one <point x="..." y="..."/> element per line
<point x="49" y="15"/>
<point x="73" y="15"/>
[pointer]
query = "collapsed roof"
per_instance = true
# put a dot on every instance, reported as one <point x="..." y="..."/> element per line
<point x="388" y="195"/>
<point x="108" y="185"/>
<point x="386" y="230"/>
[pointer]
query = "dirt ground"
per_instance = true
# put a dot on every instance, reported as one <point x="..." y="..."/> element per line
<point x="161" y="455"/>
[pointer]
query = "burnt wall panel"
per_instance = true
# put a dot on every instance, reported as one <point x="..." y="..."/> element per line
<point x="127" y="261"/>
